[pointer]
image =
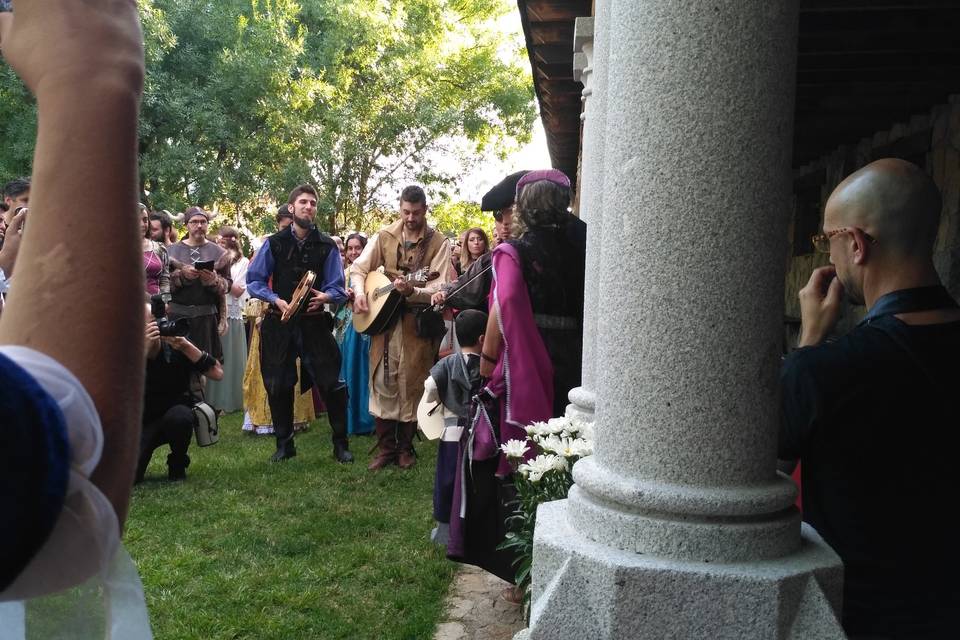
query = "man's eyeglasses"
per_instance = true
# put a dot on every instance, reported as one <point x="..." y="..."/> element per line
<point x="498" y="215"/>
<point x="197" y="222"/>
<point x="821" y="242"/>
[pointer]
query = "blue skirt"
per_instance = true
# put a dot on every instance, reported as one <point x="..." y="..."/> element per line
<point x="355" y="370"/>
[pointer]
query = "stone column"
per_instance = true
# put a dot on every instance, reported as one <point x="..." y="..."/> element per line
<point x="590" y="64"/>
<point x="679" y="525"/>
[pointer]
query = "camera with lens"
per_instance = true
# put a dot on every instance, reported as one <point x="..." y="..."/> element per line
<point x="168" y="327"/>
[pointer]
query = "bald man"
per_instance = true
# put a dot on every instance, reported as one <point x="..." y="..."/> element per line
<point x="874" y="415"/>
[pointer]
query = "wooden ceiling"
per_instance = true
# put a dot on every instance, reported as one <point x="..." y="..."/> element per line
<point x="865" y="65"/>
<point x="862" y="66"/>
<point x="548" y="27"/>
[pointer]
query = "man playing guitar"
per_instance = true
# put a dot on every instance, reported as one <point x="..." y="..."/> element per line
<point x="287" y="256"/>
<point x="400" y="360"/>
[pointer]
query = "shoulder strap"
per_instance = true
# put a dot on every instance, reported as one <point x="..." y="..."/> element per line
<point x="422" y="249"/>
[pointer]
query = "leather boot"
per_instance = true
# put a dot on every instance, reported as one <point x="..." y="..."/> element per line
<point x="336" y="401"/>
<point x="406" y="456"/>
<point x="386" y="444"/>
<point x="281" y="409"/>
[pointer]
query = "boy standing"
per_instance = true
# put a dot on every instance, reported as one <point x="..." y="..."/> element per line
<point x="453" y="381"/>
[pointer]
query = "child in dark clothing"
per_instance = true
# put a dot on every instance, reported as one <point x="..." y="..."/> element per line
<point x="452" y="382"/>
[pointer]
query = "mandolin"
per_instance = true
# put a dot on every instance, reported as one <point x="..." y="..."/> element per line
<point x="384" y="300"/>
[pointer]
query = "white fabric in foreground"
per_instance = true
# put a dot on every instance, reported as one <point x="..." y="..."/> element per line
<point x="82" y="584"/>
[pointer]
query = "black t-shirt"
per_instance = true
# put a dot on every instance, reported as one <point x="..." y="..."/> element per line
<point x="877" y="434"/>
<point x="167" y="384"/>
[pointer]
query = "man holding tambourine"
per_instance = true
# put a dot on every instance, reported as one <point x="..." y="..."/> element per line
<point x="298" y="326"/>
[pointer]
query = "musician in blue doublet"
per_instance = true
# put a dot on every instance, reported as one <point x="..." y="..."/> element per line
<point x="273" y="277"/>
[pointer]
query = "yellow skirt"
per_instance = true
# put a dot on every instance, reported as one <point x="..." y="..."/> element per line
<point x="255" y="395"/>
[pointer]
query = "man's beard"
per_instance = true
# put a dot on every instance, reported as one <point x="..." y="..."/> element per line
<point x="303" y="223"/>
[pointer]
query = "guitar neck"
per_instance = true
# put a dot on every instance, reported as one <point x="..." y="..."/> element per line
<point x="390" y="287"/>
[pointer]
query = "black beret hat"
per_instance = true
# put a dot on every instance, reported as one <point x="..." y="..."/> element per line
<point x="502" y="194"/>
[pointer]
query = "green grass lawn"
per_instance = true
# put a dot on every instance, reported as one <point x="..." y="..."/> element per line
<point x="307" y="548"/>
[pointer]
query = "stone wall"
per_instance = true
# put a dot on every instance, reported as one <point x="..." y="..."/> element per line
<point x="932" y="141"/>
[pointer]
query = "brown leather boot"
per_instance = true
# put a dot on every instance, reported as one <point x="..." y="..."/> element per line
<point x="386" y="444"/>
<point x="406" y="456"/>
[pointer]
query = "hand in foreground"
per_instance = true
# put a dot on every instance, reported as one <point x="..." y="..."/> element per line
<point x="820" y="303"/>
<point x="317" y="300"/>
<point x="53" y="44"/>
<point x="360" y="303"/>
<point x="438" y="298"/>
<point x="281" y="304"/>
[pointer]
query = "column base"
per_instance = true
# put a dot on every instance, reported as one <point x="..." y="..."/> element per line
<point x="585" y="590"/>
<point x="582" y="404"/>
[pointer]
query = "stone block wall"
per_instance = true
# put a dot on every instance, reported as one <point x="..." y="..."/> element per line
<point x="932" y="141"/>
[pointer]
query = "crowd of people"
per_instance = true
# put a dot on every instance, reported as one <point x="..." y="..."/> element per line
<point x="870" y="413"/>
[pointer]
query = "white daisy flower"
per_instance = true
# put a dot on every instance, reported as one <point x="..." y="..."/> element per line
<point x="515" y="449"/>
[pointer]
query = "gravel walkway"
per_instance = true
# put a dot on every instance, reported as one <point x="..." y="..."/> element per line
<point x="475" y="610"/>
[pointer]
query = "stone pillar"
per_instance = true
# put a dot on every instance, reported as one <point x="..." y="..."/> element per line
<point x="590" y="65"/>
<point x="679" y="525"/>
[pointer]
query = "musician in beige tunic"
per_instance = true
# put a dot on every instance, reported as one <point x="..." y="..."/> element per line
<point x="400" y="361"/>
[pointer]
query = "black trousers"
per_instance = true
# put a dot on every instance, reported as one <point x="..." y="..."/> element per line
<point x="174" y="428"/>
<point x="309" y="338"/>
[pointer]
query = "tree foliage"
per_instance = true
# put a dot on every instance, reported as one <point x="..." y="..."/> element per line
<point x="244" y="99"/>
<point x="454" y="217"/>
<point x="18" y="126"/>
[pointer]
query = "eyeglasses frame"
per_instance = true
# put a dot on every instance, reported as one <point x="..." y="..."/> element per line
<point x="821" y="241"/>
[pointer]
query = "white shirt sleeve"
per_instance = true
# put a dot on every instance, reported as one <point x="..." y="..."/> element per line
<point x="83" y="552"/>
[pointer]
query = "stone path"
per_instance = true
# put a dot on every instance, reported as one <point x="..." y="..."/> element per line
<point x="475" y="610"/>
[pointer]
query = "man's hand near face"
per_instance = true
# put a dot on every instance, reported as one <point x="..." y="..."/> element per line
<point x="820" y="303"/>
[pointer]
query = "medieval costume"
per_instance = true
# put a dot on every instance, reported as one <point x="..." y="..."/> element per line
<point x="399" y="359"/>
<point x="453" y="381"/>
<point x="355" y="370"/>
<point x="156" y="265"/>
<point x="195" y="301"/>
<point x="537" y="295"/>
<point x="287" y="258"/>
<point x="256" y="418"/>
<point x="519" y="392"/>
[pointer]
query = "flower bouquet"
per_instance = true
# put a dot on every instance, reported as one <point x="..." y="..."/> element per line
<point x="556" y="445"/>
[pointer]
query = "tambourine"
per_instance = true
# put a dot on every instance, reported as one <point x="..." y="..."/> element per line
<point x="299" y="299"/>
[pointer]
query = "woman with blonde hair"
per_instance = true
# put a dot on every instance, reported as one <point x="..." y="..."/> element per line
<point x="475" y="245"/>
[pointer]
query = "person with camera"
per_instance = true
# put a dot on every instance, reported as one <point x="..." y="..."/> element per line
<point x="274" y="275"/>
<point x="167" y="402"/>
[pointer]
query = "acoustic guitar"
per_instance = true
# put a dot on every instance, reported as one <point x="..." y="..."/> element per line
<point x="384" y="300"/>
